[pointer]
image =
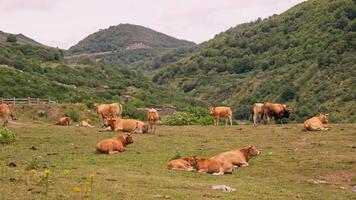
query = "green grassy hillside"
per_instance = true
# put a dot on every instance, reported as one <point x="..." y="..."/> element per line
<point x="304" y="57"/>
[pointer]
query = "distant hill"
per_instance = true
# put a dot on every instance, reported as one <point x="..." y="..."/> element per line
<point x="22" y="39"/>
<point x="305" y="57"/>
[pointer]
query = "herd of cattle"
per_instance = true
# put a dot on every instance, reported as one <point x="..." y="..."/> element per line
<point x="111" y="120"/>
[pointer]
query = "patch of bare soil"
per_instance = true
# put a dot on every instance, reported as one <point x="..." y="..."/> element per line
<point x="342" y="178"/>
<point x="301" y="142"/>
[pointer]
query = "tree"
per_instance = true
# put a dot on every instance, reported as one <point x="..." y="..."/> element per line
<point x="11" y="38"/>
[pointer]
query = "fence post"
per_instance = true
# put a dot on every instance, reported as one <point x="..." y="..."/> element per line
<point x="2" y="99"/>
<point x="14" y="101"/>
<point x="28" y="100"/>
<point x="38" y="101"/>
<point x="49" y="100"/>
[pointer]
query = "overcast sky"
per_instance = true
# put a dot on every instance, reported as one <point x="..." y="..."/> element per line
<point x="62" y="23"/>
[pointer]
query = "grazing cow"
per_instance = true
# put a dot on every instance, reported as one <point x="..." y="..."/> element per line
<point x="106" y="111"/>
<point x="317" y="123"/>
<point x="85" y="123"/>
<point x="183" y="164"/>
<point x="114" y="145"/>
<point x="239" y="157"/>
<point x="276" y="110"/>
<point x="221" y="111"/>
<point x="126" y="125"/>
<point x="256" y="112"/>
<point x="64" y="121"/>
<point x="5" y="113"/>
<point x="212" y="166"/>
<point x="153" y="118"/>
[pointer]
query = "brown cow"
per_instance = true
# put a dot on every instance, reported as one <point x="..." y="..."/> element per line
<point x="114" y="145"/>
<point x="213" y="166"/>
<point x="85" y="123"/>
<point x="256" y="112"/>
<point x="317" y="123"/>
<point x="221" y="111"/>
<point x="183" y="164"/>
<point x="64" y="121"/>
<point x="276" y="110"/>
<point x="106" y="111"/>
<point x="239" y="157"/>
<point x="126" y="125"/>
<point x="5" y="113"/>
<point x="153" y="118"/>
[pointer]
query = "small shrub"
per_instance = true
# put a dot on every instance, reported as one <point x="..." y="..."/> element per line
<point x="177" y="155"/>
<point x="6" y="136"/>
<point x="73" y="114"/>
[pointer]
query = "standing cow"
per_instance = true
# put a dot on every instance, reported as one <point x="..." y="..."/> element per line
<point x="276" y="110"/>
<point x="106" y="111"/>
<point x="221" y="111"/>
<point x="153" y="118"/>
<point x="5" y="113"/>
<point x="256" y="112"/>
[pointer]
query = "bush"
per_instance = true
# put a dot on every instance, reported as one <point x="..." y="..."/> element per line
<point x="6" y="136"/>
<point x="191" y="116"/>
<point x="73" y="114"/>
<point x="11" y="38"/>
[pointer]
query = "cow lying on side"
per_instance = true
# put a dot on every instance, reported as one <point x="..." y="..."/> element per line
<point x="114" y="145"/>
<point x="126" y="125"/>
<point x="64" y="121"/>
<point x="238" y="157"/>
<point x="221" y="111"/>
<point x="212" y="166"/>
<point x="153" y="118"/>
<point x="182" y="164"/>
<point x="85" y="123"/>
<point x="317" y="123"/>
<point x="5" y="113"/>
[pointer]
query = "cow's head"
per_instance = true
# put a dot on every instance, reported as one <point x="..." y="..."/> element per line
<point x="323" y="118"/>
<point x="252" y="150"/>
<point x="108" y="122"/>
<point x="287" y="111"/>
<point x="211" y="110"/>
<point x="128" y="138"/>
<point x="192" y="161"/>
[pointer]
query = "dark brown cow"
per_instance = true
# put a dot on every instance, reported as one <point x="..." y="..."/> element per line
<point x="276" y="110"/>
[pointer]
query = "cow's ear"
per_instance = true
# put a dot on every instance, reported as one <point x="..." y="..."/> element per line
<point x="327" y="114"/>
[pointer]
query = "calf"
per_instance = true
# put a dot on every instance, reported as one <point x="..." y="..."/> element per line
<point x="238" y="157"/>
<point x="126" y="125"/>
<point x="5" y="113"/>
<point x="85" y="123"/>
<point x="63" y="121"/>
<point x="212" y="166"/>
<point x="114" y="145"/>
<point x="221" y="111"/>
<point x="317" y="123"/>
<point x="183" y="164"/>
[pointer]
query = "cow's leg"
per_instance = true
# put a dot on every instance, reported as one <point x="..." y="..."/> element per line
<point x="226" y="120"/>
<point x="6" y="120"/>
<point x="230" y="119"/>
<point x="202" y="171"/>
<point x="217" y="121"/>
<point x="244" y="164"/>
<point x="221" y="172"/>
<point x="154" y="128"/>
<point x="254" y="119"/>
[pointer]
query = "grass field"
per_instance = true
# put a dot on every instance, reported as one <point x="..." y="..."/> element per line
<point x="290" y="160"/>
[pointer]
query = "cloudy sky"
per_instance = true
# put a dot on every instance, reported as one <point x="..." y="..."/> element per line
<point x="62" y="23"/>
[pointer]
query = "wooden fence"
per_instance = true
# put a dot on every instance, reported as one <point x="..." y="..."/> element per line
<point x="27" y="100"/>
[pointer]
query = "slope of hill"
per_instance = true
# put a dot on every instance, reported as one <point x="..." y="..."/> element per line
<point x="22" y="39"/>
<point x="40" y="72"/>
<point x="305" y="57"/>
<point x="125" y="44"/>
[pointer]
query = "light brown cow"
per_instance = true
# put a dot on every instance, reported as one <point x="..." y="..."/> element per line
<point x="317" y="123"/>
<point x="153" y="118"/>
<point x="239" y="157"/>
<point x="64" y="121"/>
<point x="5" y="113"/>
<point x="106" y="111"/>
<point x="256" y="112"/>
<point x="213" y="166"/>
<point x="183" y="164"/>
<point x="220" y="111"/>
<point x="276" y="110"/>
<point x="126" y="125"/>
<point x="85" y="123"/>
<point x="114" y="145"/>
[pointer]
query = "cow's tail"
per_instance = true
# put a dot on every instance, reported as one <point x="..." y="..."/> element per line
<point x="13" y="117"/>
<point x="121" y="110"/>
<point x="252" y="115"/>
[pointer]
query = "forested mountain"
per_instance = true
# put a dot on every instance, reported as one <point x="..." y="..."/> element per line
<point x="304" y="57"/>
<point x="126" y="43"/>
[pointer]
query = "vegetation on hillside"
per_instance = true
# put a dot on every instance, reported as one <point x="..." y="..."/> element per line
<point x="304" y="57"/>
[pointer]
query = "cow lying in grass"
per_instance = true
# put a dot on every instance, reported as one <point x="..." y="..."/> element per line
<point x="183" y="164"/>
<point x="114" y="145"/>
<point x="212" y="166"/>
<point x="238" y="157"/>
<point x="126" y="125"/>
<point x="317" y="123"/>
<point x="64" y="121"/>
<point x="85" y="123"/>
